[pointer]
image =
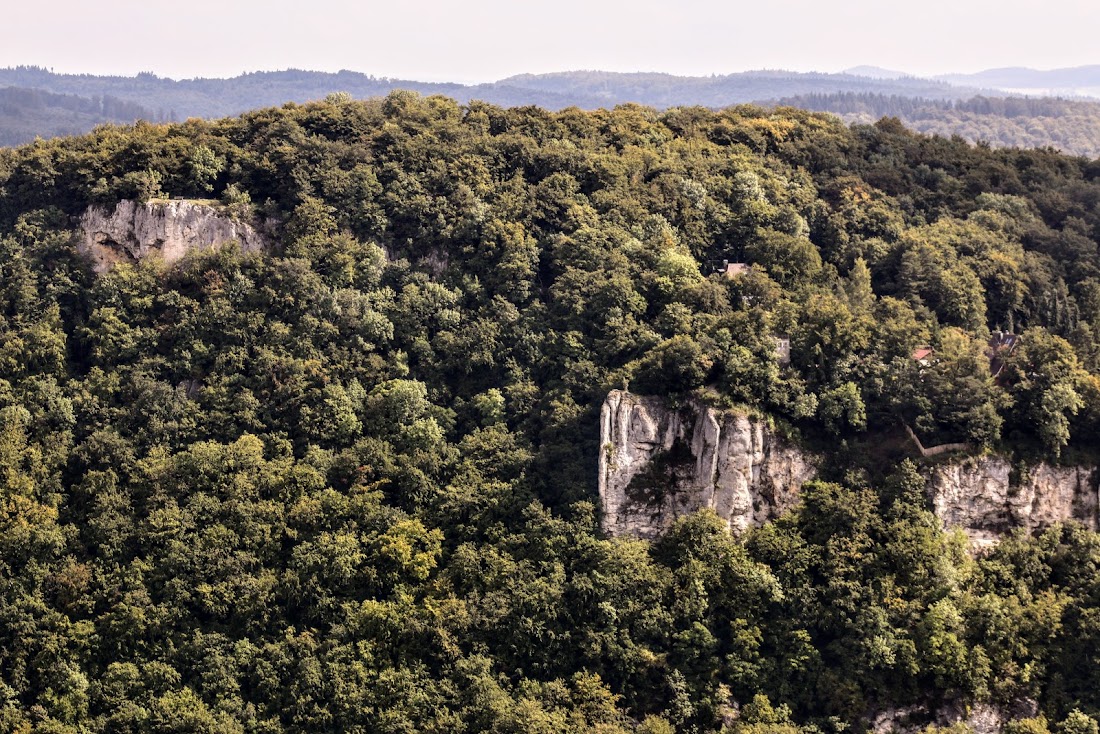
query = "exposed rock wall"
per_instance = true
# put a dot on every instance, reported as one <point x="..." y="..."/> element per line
<point x="986" y="498"/>
<point x="982" y="718"/>
<point x="170" y="229"/>
<point x="657" y="464"/>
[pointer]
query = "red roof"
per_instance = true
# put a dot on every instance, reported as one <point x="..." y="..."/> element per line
<point x="922" y="353"/>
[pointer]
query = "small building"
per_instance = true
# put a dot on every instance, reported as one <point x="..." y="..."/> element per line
<point x="1001" y="345"/>
<point x="734" y="270"/>
<point x="782" y="348"/>
<point x="923" y="355"/>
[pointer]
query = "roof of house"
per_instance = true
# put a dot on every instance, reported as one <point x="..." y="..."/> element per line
<point x="1001" y="344"/>
<point x="922" y="353"/>
<point x="734" y="269"/>
<point x="1003" y="340"/>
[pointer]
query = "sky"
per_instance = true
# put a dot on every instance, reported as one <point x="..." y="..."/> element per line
<point x="485" y="40"/>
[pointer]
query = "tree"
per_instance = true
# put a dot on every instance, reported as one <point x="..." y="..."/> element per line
<point x="1045" y="380"/>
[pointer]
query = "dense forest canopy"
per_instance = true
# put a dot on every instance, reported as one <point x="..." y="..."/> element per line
<point x="348" y="485"/>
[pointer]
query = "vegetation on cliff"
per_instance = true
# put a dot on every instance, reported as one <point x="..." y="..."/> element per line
<point x="348" y="485"/>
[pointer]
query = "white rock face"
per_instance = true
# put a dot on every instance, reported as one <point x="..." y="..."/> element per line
<point x="170" y="229"/>
<point x="657" y="464"/>
<point x="982" y="496"/>
<point x="982" y="718"/>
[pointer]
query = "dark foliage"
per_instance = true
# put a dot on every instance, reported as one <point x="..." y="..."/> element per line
<point x="348" y="485"/>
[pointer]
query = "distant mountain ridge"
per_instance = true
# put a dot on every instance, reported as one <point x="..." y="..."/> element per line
<point x="29" y="113"/>
<point x="1072" y="126"/>
<point x="1079" y="81"/>
<point x="667" y="90"/>
<point x="156" y="98"/>
<point x="876" y="72"/>
<point x="586" y="89"/>
<point x="169" y="99"/>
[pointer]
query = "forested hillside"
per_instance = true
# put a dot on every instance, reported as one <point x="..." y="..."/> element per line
<point x="722" y="90"/>
<point x="587" y="89"/>
<point x="46" y="104"/>
<point x="1070" y="126"/>
<point x="172" y="99"/>
<point x="348" y="485"/>
<point x="27" y="113"/>
<point x="1072" y="81"/>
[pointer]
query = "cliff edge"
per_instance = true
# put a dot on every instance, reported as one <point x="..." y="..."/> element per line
<point x="986" y="496"/>
<point x="133" y="231"/>
<point x="658" y="463"/>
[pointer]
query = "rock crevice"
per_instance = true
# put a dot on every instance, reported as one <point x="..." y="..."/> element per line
<point x="657" y="464"/>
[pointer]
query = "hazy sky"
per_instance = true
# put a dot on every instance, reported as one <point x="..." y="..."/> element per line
<point x="482" y="40"/>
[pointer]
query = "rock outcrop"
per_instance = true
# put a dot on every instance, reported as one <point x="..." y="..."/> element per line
<point x="981" y="718"/>
<point x="169" y="229"/>
<point x="658" y="463"/>
<point x="986" y="496"/>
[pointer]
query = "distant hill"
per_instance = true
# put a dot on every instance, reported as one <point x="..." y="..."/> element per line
<point x="56" y="104"/>
<point x="666" y="90"/>
<point x="162" y="98"/>
<point x="1070" y="126"/>
<point x="29" y="113"/>
<point x="1078" y="81"/>
<point x="876" y="72"/>
<point x="209" y="97"/>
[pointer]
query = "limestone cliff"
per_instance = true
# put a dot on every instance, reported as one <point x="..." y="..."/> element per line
<point x="657" y="464"/>
<point x="170" y="229"/>
<point x="986" y="497"/>
<point x="981" y="718"/>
